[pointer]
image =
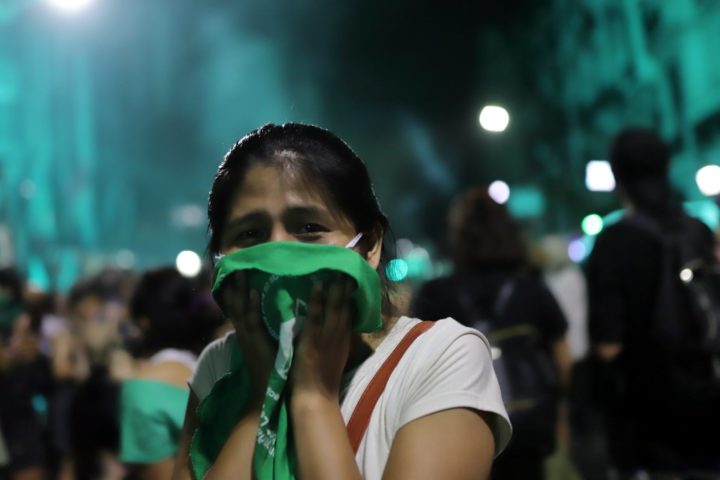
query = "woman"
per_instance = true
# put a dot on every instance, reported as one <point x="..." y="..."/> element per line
<point x="174" y="319"/>
<point x="299" y="183"/>
<point x="492" y="290"/>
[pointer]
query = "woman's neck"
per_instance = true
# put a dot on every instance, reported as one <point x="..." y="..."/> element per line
<point x="364" y="344"/>
<point x="373" y="339"/>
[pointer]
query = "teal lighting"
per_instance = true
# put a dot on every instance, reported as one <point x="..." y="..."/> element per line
<point x="526" y="202"/>
<point x="592" y="224"/>
<point x="396" y="270"/>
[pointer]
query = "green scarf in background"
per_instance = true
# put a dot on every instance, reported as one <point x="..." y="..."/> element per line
<point x="283" y="273"/>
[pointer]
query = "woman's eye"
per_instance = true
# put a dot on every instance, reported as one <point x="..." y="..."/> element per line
<point x="311" y="228"/>
<point x="246" y="235"/>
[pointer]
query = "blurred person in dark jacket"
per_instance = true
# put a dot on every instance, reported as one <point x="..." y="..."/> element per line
<point x="659" y="391"/>
<point x="494" y="290"/>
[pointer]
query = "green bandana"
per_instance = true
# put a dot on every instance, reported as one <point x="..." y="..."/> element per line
<point x="283" y="273"/>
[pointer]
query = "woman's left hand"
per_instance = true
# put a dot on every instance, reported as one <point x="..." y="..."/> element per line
<point x="324" y="343"/>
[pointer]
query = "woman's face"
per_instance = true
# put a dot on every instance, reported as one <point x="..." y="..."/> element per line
<point x="271" y="206"/>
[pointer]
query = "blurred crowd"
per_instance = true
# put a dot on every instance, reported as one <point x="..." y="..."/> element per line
<point x="64" y="358"/>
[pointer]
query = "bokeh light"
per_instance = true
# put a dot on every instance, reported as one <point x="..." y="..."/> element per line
<point x="70" y="4"/>
<point x="577" y="251"/>
<point x="494" y="118"/>
<point x="188" y="263"/>
<point x="599" y="176"/>
<point x="708" y="180"/>
<point x="499" y="191"/>
<point x="396" y="270"/>
<point x="686" y="275"/>
<point x="592" y="224"/>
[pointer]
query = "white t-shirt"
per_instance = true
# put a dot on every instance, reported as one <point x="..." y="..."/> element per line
<point x="449" y="366"/>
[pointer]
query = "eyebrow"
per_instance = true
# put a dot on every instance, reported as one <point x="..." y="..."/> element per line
<point x="250" y="216"/>
<point x="307" y="211"/>
<point x="289" y="213"/>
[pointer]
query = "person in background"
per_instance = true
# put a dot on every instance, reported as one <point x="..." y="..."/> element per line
<point x="659" y="387"/>
<point x="567" y="283"/>
<point x="25" y="383"/>
<point x="175" y="318"/>
<point x="492" y="289"/>
<point x="89" y="361"/>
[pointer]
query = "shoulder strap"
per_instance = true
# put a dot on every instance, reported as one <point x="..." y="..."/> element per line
<point x="361" y="415"/>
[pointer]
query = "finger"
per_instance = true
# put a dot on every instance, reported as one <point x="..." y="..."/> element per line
<point x="335" y="296"/>
<point x="315" y="308"/>
<point x="335" y="307"/>
<point x="252" y="314"/>
<point x="349" y="309"/>
<point x="235" y="296"/>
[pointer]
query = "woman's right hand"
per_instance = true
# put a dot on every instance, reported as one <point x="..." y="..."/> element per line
<point x="242" y="305"/>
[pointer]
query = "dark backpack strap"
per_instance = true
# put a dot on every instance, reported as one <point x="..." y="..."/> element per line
<point x="360" y="418"/>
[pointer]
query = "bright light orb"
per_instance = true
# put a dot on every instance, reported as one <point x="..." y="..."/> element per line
<point x="708" y="180"/>
<point x="577" y="251"/>
<point x="494" y="118"/>
<point x="397" y="269"/>
<point x="70" y="4"/>
<point x="599" y="176"/>
<point x="188" y="263"/>
<point x="499" y="191"/>
<point x="592" y="224"/>
<point x="686" y="275"/>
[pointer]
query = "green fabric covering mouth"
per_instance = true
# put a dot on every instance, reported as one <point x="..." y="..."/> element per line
<point x="283" y="273"/>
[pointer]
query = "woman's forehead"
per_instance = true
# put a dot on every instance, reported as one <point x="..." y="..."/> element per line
<point x="271" y="187"/>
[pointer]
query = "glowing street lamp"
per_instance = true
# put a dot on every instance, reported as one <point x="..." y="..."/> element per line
<point x="70" y="5"/>
<point x="494" y="118"/>
<point x="708" y="180"/>
<point x="188" y="263"/>
<point x="499" y="191"/>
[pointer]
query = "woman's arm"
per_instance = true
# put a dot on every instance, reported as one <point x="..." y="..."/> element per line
<point x="455" y="444"/>
<point x="235" y="458"/>
<point x="321" y="440"/>
<point x="562" y="358"/>
<point x="183" y="469"/>
<point x="156" y="471"/>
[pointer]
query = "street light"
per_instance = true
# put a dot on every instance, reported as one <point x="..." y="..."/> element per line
<point x="188" y="263"/>
<point x="494" y="118"/>
<point x="70" y="5"/>
<point x="708" y="180"/>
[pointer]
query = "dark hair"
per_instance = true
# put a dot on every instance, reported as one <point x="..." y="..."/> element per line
<point x="318" y="156"/>
<point x="482" y="233"/>
<point x="108" y="285"/>
<point x="11" y="281"/>
<point x="640" y="161"/>
<point x="179" y="313"/>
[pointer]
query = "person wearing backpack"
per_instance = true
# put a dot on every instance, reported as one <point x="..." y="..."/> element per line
<point x="652" y="322"/>
<point x="493" y="290"/>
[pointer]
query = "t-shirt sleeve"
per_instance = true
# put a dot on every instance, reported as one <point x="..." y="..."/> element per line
<point x="461" y="376"/>
<point x="213" y="363"/>
<point x="148" y="433"/>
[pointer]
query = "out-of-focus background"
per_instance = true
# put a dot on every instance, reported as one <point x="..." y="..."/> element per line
<point x="114" y="114"/>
